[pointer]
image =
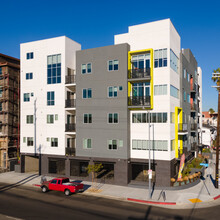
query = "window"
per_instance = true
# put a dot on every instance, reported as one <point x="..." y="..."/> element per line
<point x="1" y="90"/>
<point x="56" y="117"/>
<point x="120" y="88"/>
<point x="87" y="93"/>
<point x="172" y="117"/>
<point x="140" y="61"/>
<point x="113" y="118"/>
<point x="0" y="70"/>
<point x="24" y="139"/>
<point x="30" y="55"/>
<point x="188" y="77"/>
<point x="54" y="69"/>
<point x="50" y="119"/>
<point x="86" y="68"/>
<point x="160" y="58"/>
<point x="173" y="61"/>
<point x="87" y="118"/>
<point x="112" y="144"/>
<point x="112" y="65"/>
<point x="160" y="90"/>
<point x="50" y="98"/>
<point x="29" y="119"/>
<point x="26" y="97"/>
<point x="188" y="98"/>
<point x="184" y="73"/>
<point x="30" y="141"/>
<point x="0" y="106"/>
<point x="54" y="142"/>
<point x="157" y="145"/>
<point x="172" y="144"/>
<point x="159" y="117"/>
<point x="112" y="91"/>
<point x="174" y="92"/>
<point x="29" y="76"/>
<point x="184" y="96"/>
<point x="87" y="143"/>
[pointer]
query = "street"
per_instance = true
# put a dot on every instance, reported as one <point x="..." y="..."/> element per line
<point x="31" y="203"/>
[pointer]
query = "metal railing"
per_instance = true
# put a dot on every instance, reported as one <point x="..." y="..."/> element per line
<point x="139" y="73"/>
<point x="70" y="79"/>
<point x="71" y="127"/>
<point x="182" y="127"/>
<point x="193" y="126"/>
<point x="139" y="101"/>
<point x="70" y="151"/>
<point x="70" y="103"/>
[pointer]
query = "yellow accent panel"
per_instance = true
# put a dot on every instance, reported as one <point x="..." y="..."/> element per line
<point x="195" y="200"/>
<point x="130" y="53"/>
<point x="178" y="115"/>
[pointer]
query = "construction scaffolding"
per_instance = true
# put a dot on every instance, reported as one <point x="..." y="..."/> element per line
<point x="9" y="112"/>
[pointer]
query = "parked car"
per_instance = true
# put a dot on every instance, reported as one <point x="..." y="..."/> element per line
<point x="62" y="184"/>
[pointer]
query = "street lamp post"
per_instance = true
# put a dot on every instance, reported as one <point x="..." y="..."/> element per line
<point x="149" y="159"/>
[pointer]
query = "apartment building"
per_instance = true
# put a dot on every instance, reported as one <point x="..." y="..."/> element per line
<point x="121" y="100"/>
<point x="9" y="111"/>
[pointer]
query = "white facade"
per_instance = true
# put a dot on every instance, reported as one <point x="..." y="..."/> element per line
<point x="156" y="35"/>
<point x="39" y="87"/>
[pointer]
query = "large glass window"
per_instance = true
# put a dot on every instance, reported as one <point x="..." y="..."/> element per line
<point x="26" y="97"/>
<point x="173" y="61"/>
<point x="113" y="118"/>
<point x="87" y="143"/>
<point x="87" y="118"/>
<point x="30" y="55"/>
<point x="160" y="58"/>
<point x="54" y="69"/>
<point x="86" y="68"/>
<point x="141" y="89"/>
<point x="112" y="91"/>
<point x="156" y="117"/>
<point x="174" y="91"/>
<point x="51" y="98"/>
<point x="160" y="90"/>
<point x="141" y="61"/>
<point x="112" y="65"/>
<point x="157" y="145"/>
<point x="87" y="93"/>
<point x="29" y="119"/>
<point x="50" y="119"/>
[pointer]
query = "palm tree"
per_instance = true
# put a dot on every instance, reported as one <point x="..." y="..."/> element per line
<point x="216" y="79"/>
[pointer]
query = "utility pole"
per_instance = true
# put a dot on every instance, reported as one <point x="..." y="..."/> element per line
<point x="216" y="78"/>
<point x="149" y="148"/>
<point x="35" y="144"/>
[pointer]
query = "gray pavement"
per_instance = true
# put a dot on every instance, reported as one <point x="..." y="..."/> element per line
<point x="204" y="191"/>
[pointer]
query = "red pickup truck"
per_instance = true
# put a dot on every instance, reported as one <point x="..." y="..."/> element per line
<point x="63" y="185"/>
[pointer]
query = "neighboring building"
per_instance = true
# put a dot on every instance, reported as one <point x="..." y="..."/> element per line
<point x="9" y="111"/>
<point x="209" y="118"/>
<point x="118" y="90"/>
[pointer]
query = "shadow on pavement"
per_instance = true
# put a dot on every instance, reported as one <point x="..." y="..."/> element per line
<point x="19" y="183"/>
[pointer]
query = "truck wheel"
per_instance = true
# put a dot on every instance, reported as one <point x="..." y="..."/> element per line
<point x="67" y="192"/>
<point x="44" y="189"/>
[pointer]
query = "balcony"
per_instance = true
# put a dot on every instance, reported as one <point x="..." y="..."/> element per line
<point x="70" y="151"/>
<point x="193" y="127"/>
<point x="193" y="107"/>
<point x="70" y="79"/>
<point x="70" y="103"/>
<point x="182" y="129"/>
<point x="70" y="127"/>
<point x="142" y="101"/>
<point x="139" y="74"/>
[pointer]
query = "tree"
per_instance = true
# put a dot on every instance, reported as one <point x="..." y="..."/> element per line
<point x="94" y="168"/>
<point x="216" y="79"/>
<point x="211" y="111"/>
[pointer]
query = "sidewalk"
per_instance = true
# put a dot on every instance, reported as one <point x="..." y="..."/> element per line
<point x="200" y="195"/>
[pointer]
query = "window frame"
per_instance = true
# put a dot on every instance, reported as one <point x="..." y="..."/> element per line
<point x="113" y="65"/>
<point x="88" y="118"/>
<point x="29" y="119"/>
<point x="87" y="93"/>
<point x="30" y="140"/>
<point x="51" y="102"/>
<point x="86" y="68"/>
<point x="87" y="139"/>
<point x="113" y="114"/>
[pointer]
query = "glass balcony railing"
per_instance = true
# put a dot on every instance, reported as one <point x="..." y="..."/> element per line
<point x="139" y="73"/>
<point x="70" y="79"/>
<point x="139" y="101"/>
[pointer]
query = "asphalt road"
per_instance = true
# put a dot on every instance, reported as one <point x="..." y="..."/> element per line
<point x="31" y="203"/>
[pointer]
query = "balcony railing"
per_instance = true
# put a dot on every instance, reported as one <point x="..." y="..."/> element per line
<point x="70" y="151"/>
<point x="182" y="127"/>
<point x="70" y="79"/>
<point x="139" y="101"/>
<point x="139" y="73"/>
<point x="193" y="127"/>
<point x="71" y="127"/>
<point x="70" y="103"/>
<point x="193" y="107"/>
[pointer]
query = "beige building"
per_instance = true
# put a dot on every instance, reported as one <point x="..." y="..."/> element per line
<point x="9" y="111"/>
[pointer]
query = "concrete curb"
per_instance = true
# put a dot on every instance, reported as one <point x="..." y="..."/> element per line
<point x="151" y="202"/>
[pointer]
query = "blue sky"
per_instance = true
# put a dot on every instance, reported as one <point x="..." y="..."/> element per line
<point x="94" y="23"/>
